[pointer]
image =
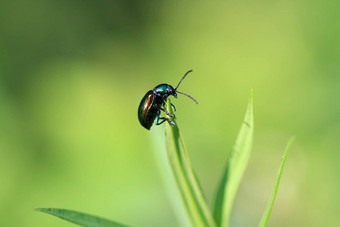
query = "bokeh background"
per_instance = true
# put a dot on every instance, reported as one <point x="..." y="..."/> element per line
<point x="72" y="74"/>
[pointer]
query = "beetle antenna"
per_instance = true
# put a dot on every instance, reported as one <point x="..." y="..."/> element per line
<point x="187" y="94"/>
<point x="183" y="78"/>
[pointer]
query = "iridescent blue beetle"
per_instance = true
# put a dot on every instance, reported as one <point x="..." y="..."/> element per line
<point x="154" y="101"/>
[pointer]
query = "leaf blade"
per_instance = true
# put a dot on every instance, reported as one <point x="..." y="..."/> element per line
<point x="186" y="180"/>
<point x="80" y="218"/>
<point x="269" y="207"/>
<point x="235" y="167"/>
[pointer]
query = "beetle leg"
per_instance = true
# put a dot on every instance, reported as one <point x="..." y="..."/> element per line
<point x="173" y="107"/>
<point x="163" y="119"/>
<point x="167" y="113"/>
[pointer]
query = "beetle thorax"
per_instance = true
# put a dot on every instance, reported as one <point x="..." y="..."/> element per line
<point x="164" y="90"/>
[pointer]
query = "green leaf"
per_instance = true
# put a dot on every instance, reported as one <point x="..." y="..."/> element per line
<point x="235" y="167"/>
<point x="269" y="208"/>
<point x="80" y="218"/>
<point x="187" y="183"/>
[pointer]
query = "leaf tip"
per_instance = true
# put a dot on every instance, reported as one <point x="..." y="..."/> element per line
<point x="43" y="210"/>
<point x="290" y="142"/>
<point x="251" y="97"/>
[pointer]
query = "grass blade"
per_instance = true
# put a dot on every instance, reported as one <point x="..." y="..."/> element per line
<point x="187" y="183"/>
<point x="269" y="207"/>
<point x="80" y="218"/>
<point x="235" y="167"/>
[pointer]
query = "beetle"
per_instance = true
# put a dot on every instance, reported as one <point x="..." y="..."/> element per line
<point x="154" y="102"/>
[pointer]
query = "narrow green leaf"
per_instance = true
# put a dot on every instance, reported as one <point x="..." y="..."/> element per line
<point x="80" y="218"/>
<point x="187" y="183"/>
<point x="235" y="167"/>
<point x="269" y="207"/>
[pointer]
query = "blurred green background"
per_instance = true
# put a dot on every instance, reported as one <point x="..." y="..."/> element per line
<point x="72" y="74"/>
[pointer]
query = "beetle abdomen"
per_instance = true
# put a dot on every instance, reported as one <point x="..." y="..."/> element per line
<point x="146" y="110"/>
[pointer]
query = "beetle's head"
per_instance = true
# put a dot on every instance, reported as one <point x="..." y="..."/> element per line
<point x="175" y="90"/>
<point x="170" y="90"/>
